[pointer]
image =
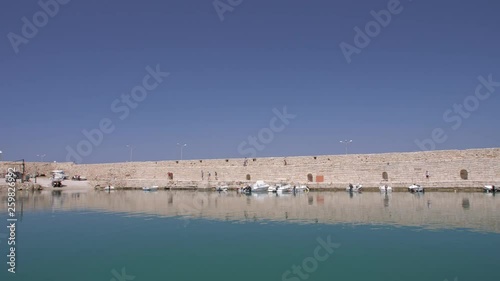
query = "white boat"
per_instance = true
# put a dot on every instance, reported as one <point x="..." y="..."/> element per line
<point x="221" y="188"/>
<point x="301" y="188"/>
<point x="286" y="188"/>
<point x="57" y="178"/>
<point x="354" y="188"/>
<point x="491" y="188"/>
<point x="260" y="186"/>
<point x="385" y="188"/>
<point x="415" y="188"/>
<point x="109" y="187"/>
<point x="150" y="188"/>
<point x="273" y="188"/>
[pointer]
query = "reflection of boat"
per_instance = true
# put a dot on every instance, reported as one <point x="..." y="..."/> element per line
<point x="150" y="188"/>
<point x="354" y="188"/>
<point x="262" y="195"/>
<point x="385" y="188"/>
<point x="260" y="186"/>
<point x="490" y="188"/>
<point x="415" y="188"/>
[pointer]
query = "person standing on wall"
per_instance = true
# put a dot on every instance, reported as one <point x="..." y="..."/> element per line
<point x="201" y="174"/>
<point x="427" y="175"/>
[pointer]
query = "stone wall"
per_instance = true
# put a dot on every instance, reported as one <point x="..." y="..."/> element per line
<point x="482" y="166"/>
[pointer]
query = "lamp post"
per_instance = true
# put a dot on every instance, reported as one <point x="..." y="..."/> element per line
<point x="131" y="149"/>
<point x="0" y="155"/>
<point x="346" y="142"/>
<point x="182" y="147"/>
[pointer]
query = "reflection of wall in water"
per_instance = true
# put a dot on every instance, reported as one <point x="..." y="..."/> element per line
<point x="472" y="210"/>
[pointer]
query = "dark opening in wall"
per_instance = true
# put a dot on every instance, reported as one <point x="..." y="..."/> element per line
<point x="255" y="159"/>
<point x="315" y="157"/>
<point x="227" y="160"/>
<point x="309" y="177"/>
<point x="177" y="162"/>
<point x="248" y="177"/>
<point x="201" y="161"/>
<point x="464" y="174"/>
<point x="385" y="176"/>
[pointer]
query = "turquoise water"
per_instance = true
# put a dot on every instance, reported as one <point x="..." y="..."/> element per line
<point x="82" y="236"/>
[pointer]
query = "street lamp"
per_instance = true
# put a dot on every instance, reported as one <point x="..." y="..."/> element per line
<point x="346" y="142"/>
<point x="182" y="147"/>
<point x="0" y="155"/>
<point x="41" y="156"/>
<point x="131" y="149"/>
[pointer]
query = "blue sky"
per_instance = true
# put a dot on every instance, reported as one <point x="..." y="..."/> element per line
<point x="226" y="77"/>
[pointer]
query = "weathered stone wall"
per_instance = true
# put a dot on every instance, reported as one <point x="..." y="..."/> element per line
<point x="403" y="169"/>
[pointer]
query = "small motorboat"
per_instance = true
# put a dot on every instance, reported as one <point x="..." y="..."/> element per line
<point x="247" y="189"/>
<point x="415" y="188"/>
<point x="109" y="187"/>
<point x="273" y="188"/>
<point x="300" y="188"/>
<point x="260" y="186"/>
<point x="286" y="188"/>
<point x="354" y="188"/>
<point x="221" y="188"/>
<point x="490" y="188"/>
<point x="150" y="188"/>
<point x="385" y="188"/>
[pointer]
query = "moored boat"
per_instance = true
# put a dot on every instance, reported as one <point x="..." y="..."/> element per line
<point x="246" y="189"/>
<point x="150" y="188"/>
<point x="415" y="188"/>
<point x="221" y="188"/>
<point x="385" y="188"/>
<point x="260" y="186"/>
<point x="272" y="188"/>
<point x="354" y="188"/>
<point x="286" y="188"/>
<point x="301" y="188"/>
<point x="490" y="188"/>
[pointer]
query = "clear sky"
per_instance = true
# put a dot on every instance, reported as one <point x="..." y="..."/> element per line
<point x="226" y="77"/>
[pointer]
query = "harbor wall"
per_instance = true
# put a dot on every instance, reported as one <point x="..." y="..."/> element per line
<point x="470" y="168"/>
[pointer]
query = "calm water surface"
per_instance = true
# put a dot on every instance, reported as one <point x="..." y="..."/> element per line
<point x="181" y="235"/>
